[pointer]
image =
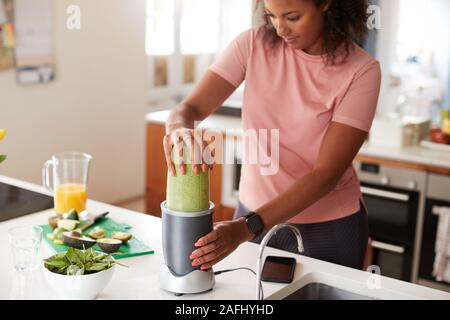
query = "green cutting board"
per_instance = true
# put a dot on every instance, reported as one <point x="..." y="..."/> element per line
<point x="133" y="247"/>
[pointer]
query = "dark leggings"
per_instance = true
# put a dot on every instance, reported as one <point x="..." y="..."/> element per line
<point x="341" y="241"/>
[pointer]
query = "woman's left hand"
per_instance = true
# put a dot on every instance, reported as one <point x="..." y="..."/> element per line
<point x="219" y="243"/>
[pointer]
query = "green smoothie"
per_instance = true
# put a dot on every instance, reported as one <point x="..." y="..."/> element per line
<point x="189" y="192"/>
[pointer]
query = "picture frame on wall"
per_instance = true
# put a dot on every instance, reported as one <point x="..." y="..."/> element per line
<point x="7" y="37"/>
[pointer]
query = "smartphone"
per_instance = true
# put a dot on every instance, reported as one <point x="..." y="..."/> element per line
<point x="278" y="269"/>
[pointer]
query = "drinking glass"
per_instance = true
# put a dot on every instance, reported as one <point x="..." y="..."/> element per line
<point x="25" y="242"/>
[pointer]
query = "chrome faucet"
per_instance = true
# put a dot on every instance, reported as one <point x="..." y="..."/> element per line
<point x="262" y="246"/>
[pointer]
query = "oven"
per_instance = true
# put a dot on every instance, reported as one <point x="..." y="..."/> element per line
<point x="394" y="199"/>
<point x="438" y="197"/>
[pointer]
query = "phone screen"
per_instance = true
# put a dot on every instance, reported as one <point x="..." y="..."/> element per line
<point x="278" y="269"/>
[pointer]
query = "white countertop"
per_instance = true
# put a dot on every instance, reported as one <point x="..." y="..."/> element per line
<point x="140" y="280"/>
<point x="416" y="154"/>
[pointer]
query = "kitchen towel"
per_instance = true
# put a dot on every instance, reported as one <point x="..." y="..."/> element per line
<point x="441" y="268"/>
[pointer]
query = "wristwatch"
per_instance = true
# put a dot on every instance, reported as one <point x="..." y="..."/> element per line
<point x="254" y="223"/>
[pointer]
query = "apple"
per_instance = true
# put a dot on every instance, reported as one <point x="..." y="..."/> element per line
<point x="438" y="136"/>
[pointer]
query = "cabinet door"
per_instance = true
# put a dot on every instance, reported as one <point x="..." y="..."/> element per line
<point x="156" y="175"/>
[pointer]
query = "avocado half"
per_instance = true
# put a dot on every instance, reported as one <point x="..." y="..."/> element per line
<point x="77" y="240"/>
<point x="109" y="245"/>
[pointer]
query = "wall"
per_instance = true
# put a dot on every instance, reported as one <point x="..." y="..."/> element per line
<point x="95" y="105"/>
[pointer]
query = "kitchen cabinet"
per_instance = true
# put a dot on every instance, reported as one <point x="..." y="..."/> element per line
<point x="156" y="176"/>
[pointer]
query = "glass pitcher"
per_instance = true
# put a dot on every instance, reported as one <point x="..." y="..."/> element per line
<point x="70" y="176"/>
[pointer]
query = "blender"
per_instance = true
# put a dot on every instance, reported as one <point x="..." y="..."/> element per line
<point x="187" y="215"/>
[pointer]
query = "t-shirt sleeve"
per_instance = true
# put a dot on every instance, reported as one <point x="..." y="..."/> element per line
<point x="231" y="64"/>
<point x="358" y="106"/>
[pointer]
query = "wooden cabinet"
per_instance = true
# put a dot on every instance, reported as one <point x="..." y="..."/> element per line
<point x="156" y="176"/>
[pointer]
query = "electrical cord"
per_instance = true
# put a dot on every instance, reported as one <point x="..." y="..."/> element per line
<point x="241" y="268"/>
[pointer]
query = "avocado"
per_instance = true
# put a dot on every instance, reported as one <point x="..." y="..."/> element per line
<point x="77" y="240"/>
<point x="71" y="215"/>
<point x="109" y="245"/>
<point x="122" y="236"/>
<point x="67" y="224"/>
<point x="97" y="233"/>
<point x="53" y="221"/>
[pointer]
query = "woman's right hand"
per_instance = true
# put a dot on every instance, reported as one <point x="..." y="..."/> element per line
<point x="181" y="140"/>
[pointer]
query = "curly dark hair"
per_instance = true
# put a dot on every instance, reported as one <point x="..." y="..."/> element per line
<point x="345" y="22"/>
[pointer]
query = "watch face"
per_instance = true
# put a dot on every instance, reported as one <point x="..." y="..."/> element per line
<point x="255" y="224"/>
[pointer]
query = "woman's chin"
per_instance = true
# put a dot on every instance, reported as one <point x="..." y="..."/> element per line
<point x="294" y="45"/>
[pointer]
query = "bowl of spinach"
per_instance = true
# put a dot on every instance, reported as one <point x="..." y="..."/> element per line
<point x="79" y="274"/>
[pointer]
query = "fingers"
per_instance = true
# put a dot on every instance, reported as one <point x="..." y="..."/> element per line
<point x="180" y="139"/>
<point x="209" y="258"/>
<point x="204" y="147"/>
<point x="205" y="250"/>
<point x="196" y="151"/>
<point x="208" y="265"/>
<point x="167" y="152"/>
<point x="210" y="237"/>
<point x="208" y="156"/>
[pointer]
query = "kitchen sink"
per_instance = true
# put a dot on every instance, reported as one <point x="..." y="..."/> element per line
<point x="320" y="291"/>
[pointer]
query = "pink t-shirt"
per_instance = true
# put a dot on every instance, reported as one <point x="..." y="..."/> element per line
<point x="296" y="93"/>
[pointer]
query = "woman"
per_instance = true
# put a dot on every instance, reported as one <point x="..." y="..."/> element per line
<point x="305" y="76"/>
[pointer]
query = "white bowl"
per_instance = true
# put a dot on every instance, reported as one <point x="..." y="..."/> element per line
<point x="84" y="287"/>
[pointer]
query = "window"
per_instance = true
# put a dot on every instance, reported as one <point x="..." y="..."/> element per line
<point x="184" y="36"/>
<point x="414" y="49"/>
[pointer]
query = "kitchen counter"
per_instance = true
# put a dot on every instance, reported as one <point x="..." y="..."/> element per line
<point x="140" y="279"/>
<point x="414" y="155"/>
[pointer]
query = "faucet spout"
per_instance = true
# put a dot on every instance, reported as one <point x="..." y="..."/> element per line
<point x="263" y="245"/>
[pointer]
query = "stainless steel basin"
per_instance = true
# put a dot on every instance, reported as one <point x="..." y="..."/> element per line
<point x="320" y="291"/>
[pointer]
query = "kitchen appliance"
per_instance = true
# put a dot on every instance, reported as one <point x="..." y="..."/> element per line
<point x="16" y="202"/>
<point x="395" y="200"/>
<point x="180" y="230"/>
<point x="187" y="215"/>
<point x="398" y="132"/>
<point x="437" y="197"/>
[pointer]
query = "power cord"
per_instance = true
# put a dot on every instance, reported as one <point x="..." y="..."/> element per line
<point x="241" y="268"/>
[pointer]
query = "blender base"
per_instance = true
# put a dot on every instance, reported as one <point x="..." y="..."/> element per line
<point x="197" y="281"/>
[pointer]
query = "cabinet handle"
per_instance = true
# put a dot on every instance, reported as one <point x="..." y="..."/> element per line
<point x="439" y="210"/>
<point x="385" y="194"/>
<point x="387" y="247"/>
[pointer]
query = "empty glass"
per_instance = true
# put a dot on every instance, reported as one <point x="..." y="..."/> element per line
<point x="25" y="242"/>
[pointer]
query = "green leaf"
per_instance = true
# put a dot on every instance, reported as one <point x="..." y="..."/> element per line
<point x="78" y="262"/>
<point x="2" y="158"/>
<point x="98" y="267"/>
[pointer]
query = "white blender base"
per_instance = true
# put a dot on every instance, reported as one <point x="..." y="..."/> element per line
<point x="195" y="282"/>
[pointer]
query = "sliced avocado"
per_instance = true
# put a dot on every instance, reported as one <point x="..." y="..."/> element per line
<point x="71" y="215"/>
<point x="53" y="221"/>
<point x="122" y="236"/>
<point x="77" y="240"/>
<point x="67" y="224"/>
<point x="109" y="245"/>
<point x="97" y="233"/>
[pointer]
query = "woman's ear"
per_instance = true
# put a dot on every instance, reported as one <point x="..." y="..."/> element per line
<point x="326" y="5"/>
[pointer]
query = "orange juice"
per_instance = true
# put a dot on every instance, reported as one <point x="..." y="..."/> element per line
<point x="70" y="196"/>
